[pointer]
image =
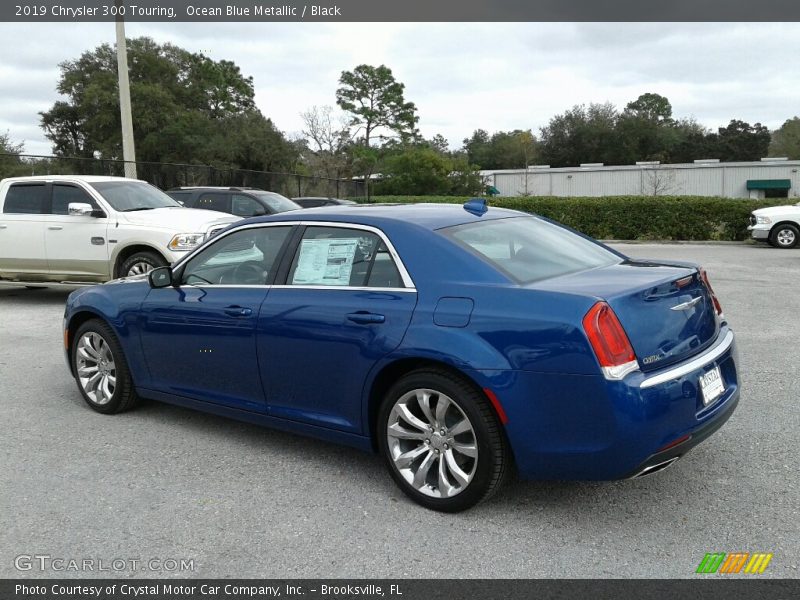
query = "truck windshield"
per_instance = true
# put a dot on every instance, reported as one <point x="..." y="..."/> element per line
<point x="128" y="196"/>
<point x="277" y="202"/>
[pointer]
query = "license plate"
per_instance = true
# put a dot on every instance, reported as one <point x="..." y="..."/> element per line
<point x="711" y="385"/>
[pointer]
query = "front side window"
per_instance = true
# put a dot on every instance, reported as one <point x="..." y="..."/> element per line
<point x="244" y="257"/>
<point x="30" y="199"/>
<point x="63" y="195"/>
<point x="128" y="196"/>
<point x="529" y="249"/>
<point x="341" y="257"/>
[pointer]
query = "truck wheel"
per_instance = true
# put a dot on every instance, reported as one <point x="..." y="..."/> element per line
<point x="784" y="236"/>
<point x="141" y="262"/>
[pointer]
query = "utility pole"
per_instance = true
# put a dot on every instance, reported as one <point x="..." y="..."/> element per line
<point x="128" y="151"/>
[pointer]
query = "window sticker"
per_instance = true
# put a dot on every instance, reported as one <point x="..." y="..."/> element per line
<point x="325" y="262"/>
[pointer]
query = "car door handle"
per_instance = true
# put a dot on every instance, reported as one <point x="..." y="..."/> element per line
<point x="365" y="318"/>
<point x="55" y="228"/>
<point x="238" y="311"/>
<point x="3" y="226"/>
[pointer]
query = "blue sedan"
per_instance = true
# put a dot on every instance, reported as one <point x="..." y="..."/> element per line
<point x="460" y="342"/>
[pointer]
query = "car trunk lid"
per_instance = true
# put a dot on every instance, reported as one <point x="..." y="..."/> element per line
<point x="666" y="309"/>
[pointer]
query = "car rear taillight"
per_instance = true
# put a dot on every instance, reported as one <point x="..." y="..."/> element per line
<point x="714" y="299"/>
<point x="609" y="342"/>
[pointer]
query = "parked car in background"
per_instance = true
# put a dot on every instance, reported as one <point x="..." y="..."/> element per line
<point x="778" y="225"/>
<point x="239" y="201"/>
<point x="75" y="228"/>
<point x="316" y="202"/>
<point x="459" y="342"/>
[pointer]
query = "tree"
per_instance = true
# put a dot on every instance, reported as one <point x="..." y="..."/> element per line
<point x="786" y="140"/>
<point x="421" y="170"/>
<point x="10" y="162"/>
<point x="581" y="134"/>
<point x="650" y="107"/>
<point x="187" y="108"/>
<point x="503" y="150"/>
<point x="376" y="102"/>
<point x="741" y="141"/>
<point x="328" y="139"/>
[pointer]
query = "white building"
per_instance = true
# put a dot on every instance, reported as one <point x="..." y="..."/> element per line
<point x="767" y="178"/>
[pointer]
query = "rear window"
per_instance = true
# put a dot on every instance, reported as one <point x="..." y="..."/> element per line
<point x="528" y="249"/>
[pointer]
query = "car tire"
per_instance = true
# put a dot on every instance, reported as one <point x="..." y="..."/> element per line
<point x="140" y="262"/>
<point x="784" y="236"/>
<point x="100" y="369"/>
<point x="442" y="441"/>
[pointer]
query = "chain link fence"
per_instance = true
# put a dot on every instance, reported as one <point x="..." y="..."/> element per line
<point x="171" y="175"/>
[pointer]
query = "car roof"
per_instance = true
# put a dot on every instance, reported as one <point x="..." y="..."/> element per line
<point x="86" y="178"/>
<point x="427" y="216"/>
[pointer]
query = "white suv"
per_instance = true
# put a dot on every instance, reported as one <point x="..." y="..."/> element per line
<point x="778" y="225"/>
<point x="86" y="229"/>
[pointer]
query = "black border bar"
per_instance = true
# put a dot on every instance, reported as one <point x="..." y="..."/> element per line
<point x="402" y="10"/>
<point x="705" y="587"/>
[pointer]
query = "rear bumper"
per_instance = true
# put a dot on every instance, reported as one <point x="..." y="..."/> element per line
<point x="586" y="428"/>
<point x="673" y="453"/>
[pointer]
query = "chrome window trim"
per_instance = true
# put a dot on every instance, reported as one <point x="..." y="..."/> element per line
<point x="350" y="288"/>
<point x="707" y="357"/>
<point x="408" y="283"/>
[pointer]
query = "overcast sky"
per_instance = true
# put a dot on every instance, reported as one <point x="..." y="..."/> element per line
<point x="498" y="76"/>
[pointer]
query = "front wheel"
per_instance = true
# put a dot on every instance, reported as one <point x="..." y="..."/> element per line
<point x="442" y="441"/>
<point x="784" y="236"/>
<point x="100" y="369"/>
<point x="141" y="262"/>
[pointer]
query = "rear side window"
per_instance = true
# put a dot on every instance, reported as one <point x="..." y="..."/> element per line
<point x="30" y="199"/>
<point x="214" y="201"/>
<point x="528" y="249"/>
<point x="63" y="195"/>
<point x="341" y="257"/>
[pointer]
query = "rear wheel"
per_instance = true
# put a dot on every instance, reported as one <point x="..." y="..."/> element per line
<point x="784" y="236"/>
<point x="141" y="262"/>
<point x="441" y="441"/>
<point x="100" y="369"/>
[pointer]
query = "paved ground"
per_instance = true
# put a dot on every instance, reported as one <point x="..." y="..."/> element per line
<point x="167" y="483"/>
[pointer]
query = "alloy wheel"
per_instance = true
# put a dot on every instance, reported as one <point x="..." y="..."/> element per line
<point x="97" y="371"/>
<point x="785" y="237"/>
<point x="432" y="443"/>
<point x="138" y="268"/>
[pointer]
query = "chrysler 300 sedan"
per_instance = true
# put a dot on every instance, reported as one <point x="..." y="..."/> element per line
<point x="461" y="343"/>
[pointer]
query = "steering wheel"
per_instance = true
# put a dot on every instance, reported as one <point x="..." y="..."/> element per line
<point x="250" y="272"/>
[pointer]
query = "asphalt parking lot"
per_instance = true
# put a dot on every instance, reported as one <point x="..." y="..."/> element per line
<point x="166" y="483"/>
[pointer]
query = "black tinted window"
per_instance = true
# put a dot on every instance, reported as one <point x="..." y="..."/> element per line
<point x="214" y="201"/>
<point x="26" y="199"/>
<point x="64" y="194"/>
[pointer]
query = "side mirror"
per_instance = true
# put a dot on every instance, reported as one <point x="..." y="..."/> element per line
<point x="80" y="209"/>
<point x="160" y="277"/>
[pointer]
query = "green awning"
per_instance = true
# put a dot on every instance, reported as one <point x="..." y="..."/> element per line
<point x="769" y="184"/>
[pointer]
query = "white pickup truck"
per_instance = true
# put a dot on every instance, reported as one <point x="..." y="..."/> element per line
<point x="89" y="229"/>
<point x="778" y="225"/>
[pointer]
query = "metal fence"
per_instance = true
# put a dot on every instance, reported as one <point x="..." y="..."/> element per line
<point x="170" y="175"/>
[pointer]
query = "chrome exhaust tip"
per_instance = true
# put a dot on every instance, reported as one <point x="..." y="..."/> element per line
<point x="656" y="468"/>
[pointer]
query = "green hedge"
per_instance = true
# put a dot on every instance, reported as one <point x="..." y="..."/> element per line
<point x="632" y="217"/>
